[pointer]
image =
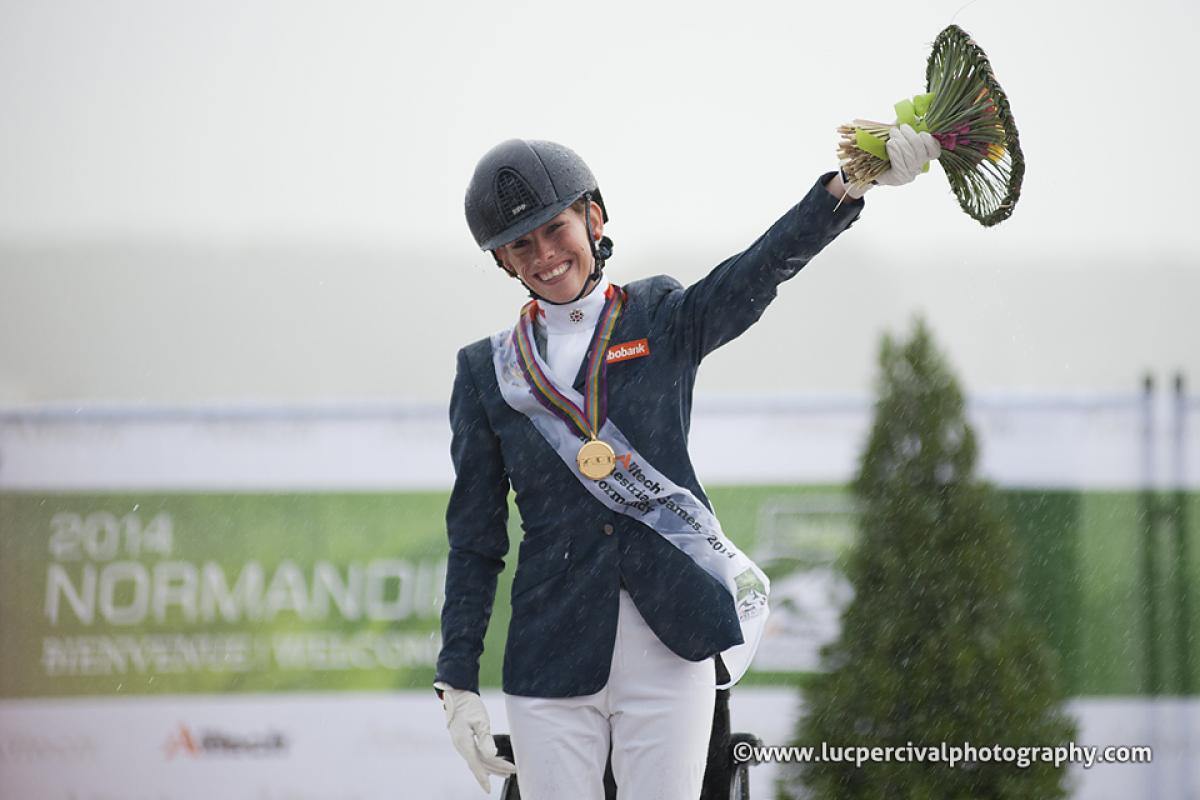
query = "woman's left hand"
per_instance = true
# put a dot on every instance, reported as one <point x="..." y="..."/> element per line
<point x="908" y="152"/>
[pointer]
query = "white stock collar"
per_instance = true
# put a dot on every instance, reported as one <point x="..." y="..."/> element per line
<point x="577" y="317"/>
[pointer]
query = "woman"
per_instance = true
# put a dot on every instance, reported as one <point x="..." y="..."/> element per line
<point x="628" y="600"/>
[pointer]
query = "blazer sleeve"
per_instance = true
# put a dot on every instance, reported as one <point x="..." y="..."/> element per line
<point x="477" y="528"/>
<point x="731" y="298"/>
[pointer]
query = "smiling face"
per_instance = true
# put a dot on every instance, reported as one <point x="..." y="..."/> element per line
<point x="555" y="259"/>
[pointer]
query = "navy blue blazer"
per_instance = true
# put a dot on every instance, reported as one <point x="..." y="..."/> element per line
<point x="576" y="554"/>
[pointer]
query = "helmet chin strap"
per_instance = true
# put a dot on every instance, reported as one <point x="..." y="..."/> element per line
<point x="601" y="252"/>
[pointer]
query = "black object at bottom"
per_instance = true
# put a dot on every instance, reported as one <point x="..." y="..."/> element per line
<point x="725" y="778"/>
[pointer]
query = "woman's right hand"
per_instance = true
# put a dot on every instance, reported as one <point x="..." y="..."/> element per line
<point x="471" y="732"/>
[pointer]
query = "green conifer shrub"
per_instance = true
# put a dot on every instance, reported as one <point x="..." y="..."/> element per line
<point x="935" y="646"/>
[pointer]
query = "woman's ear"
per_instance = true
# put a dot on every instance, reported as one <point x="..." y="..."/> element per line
<point x="597" y="219"/>
<point x="500" y="263"/>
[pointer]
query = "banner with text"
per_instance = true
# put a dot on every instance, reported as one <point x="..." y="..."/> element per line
<point x="155" y="593"/>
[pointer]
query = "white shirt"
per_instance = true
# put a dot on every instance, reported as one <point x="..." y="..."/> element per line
<point x="569" y="330"/>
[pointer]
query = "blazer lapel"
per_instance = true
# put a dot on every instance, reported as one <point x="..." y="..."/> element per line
<point x="581" y="376"/>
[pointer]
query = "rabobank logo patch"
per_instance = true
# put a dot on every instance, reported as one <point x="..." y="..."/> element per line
<point x="628" y="350"/>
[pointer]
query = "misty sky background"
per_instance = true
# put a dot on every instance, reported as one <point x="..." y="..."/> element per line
<point x="252" y="202"/>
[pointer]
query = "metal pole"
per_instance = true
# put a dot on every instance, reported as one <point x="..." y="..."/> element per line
<point x="1183" y="609"/>
<point x="1187" y="679"/>
<point x="1148" y="515"/>
<point x="1153" y="679"/>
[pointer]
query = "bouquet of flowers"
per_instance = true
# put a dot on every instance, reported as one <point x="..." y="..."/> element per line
<point x="965" y="109"/>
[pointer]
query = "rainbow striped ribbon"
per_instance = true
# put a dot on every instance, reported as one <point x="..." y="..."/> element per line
<point x="589" y="419"/>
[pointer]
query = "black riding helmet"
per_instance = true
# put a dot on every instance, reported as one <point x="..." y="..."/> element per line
<point x="522" y="184"/>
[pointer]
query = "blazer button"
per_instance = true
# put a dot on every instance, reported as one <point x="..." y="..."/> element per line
<point x="608" y="529"/>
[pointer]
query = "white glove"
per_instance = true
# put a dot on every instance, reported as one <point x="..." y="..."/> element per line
<point x="908" y="152"/>
<point x="471" y="732"/>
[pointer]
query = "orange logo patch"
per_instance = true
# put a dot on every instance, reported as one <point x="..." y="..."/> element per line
<point x="628" y="350"/>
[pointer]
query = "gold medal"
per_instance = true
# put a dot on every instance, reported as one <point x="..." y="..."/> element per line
<point x="596" y="460"/>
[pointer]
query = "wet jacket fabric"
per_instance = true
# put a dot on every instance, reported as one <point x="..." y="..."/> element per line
<point x="576" y="553"/>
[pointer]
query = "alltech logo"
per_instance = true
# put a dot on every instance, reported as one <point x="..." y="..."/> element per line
<point x="187" y="742"/>
<point x="628" y="350"/>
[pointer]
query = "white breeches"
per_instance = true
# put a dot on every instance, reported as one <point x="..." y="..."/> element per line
<point x="656" y="710"/>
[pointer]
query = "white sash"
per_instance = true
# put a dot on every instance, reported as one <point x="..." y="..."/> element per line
<point x="638" y="490"/>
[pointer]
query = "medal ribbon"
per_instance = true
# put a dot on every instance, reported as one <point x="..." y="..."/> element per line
<point x="589" y="419"/>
